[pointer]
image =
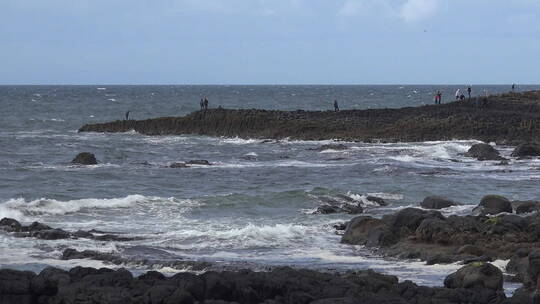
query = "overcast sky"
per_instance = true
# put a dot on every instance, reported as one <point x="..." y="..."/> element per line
<point x="269" y="41"/>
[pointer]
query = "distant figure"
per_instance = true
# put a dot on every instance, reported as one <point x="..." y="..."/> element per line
<point x="469" y="90"/>
<point x="458" y="93"/>
<point x="336" y="106"/>
<point x="462" y="96"/>
<point x="127" y="115"/>
<point x="202" y="104"/>
<point x="513" y="87"/>
<point x="205" y="103"/>
<point x="438" y="97"/>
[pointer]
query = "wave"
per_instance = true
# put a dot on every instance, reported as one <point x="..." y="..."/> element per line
<point x="20" y="208"/>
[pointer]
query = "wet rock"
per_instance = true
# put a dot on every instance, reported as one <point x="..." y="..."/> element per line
<point x="85" y="158"/>
<point x="526" y="150"/>
<point x="10" y="224"/>
<point x="51" y="234"/>
<point x="476" y="275"/>
<point x="410" y="219"/>
<point x="340" y="226"/>
<point x="434" y="230"/>
<point x="377" y="200"/>
<point x="521" y="207"/>
<point x="327" y="209"/>
<point x="178" y="165"/>
<point x="358" y="228"/>
<point x="37" y="226"/>
<point x="200" y="162"/>
<point x="440" y="259"/>
<point x="436" y="202"/>
<point x="484" y="152"/>
<point x="493" y="204"/>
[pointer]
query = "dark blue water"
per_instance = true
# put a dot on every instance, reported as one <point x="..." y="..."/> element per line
<point x="253" y="205"/>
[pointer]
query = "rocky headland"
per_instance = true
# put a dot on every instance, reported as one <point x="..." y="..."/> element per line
<point x="506" y="118"/>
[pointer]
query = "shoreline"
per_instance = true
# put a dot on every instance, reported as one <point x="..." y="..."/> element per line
<point x="506" y="118"/>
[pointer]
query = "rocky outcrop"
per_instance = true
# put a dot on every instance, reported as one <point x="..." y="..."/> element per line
<point x="429" y="236"/>
<point x="493" y="204"/>
<point x="44" y="232"/>
<point x="484" y="152"/>
<point x="504" y="118"/>
<point x="527" y="150"/>
<point x="85" y="158"/>
<point x="476" y="275"/>
<point x="281" y="285"/>
<point x="436" y="202"/>
<point x="521" y="207"/>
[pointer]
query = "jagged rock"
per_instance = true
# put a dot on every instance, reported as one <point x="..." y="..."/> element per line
<point x="10" y="224"/>
<point x="484" y="152"/>
<point x="476" y="275"/>
<point x="493" y="204"/>
<point x="526" y="150"/>
<point x="358" y="228"/>
<point x="436" y="202"/>
<point x="521" y="207"/>
<point x="51" y="234"/>
<point x="201" y="162"/>
<point x="85" y="158"/>
<point x="378" y="200"/>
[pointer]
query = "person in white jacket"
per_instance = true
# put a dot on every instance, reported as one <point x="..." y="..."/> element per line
<point x="458" y="93"/>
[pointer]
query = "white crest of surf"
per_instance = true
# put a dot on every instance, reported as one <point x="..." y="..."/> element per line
<point x="20" y="208"/>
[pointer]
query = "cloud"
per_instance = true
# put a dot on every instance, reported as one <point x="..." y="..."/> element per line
<point x="406" y="10"/>
<point x="414" y="10"/>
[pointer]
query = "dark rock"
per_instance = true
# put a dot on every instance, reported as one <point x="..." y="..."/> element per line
<point x="85" y="158"/>
<point x="327" y="209"/>
<point x="178" y="165"/>
<point x="483" y="152"/>
<point x="440" y="259"/>
<point x="470" y="249"/>
<point x="337" y="147"/>
<point x="410" y="219"/>
<point x="37" y="226"/>
<point x="358" y="228"/>
<point x="381" y="237"/>
<point x="526" y="150"/>
<point x="434" y="230"/>
<point x="378" y="200"/>
<point x="435" y="202"/>
<point x="10" y="224"/>
<point x="52" y="234"/>
<point x="533" y="269"/>
<point x="521" y="207"/>
<point x="493" y="204"/>
<point x="340" y="226"/>
<point x="352" y="209"/>
<point x="476" y="275"/>
<point x="201" y="162"/>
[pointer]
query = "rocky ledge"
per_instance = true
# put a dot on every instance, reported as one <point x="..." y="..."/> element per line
<point x="510" y="118"/>
<point x="478" y="283"/>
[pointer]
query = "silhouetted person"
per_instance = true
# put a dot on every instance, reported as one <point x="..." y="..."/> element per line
<point x="469" y="90"/>
<point x="513" y="87"/>
<point x="462" y="96"/>
<point x="202" y="104"/>
<point x="438" y="97"/>
<point x="127" y="115"/>
<point x="336" y="106"/>
<point x="205" y="103"/>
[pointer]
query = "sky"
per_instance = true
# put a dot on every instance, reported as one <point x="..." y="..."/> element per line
<point x="269" y="41"/>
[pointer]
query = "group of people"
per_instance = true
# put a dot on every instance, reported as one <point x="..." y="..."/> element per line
<point x="459" y="95"/>
<point x="204" y="104"/>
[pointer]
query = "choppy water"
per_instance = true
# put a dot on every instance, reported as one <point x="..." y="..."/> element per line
<point x="253" y="207"/>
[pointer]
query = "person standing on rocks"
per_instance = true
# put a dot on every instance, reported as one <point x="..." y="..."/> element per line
<point x="205" y="104"/>
<point x="336" y="106"/>
<point x="202" y="104"/>
<point x="458" y="93"/>
<point x="513" y="87"/>
<point x="438" y="97"/>
<point x="127" y="115"/>
<point x="469" y="90"/>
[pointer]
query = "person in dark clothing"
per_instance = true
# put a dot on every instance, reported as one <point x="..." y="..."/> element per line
<point x="513" y="87"/>
<point x="202" y="104"/>
<point x="205" y="103"/>
<point x="127" y="115"/>
<point x="438" y="97"/>
<point x="469" y="90"/>
<point x="462" y="96"/>
<point x="336" y="106"/>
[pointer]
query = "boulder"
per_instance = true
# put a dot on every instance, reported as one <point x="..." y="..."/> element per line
<point x="378" y="200"/>
<point x="493" y="204"/>
<point x="484" y="152"/>
<point x="52" y="234"/>
<point x="10" y="224"/>
<point x="352" y="209"/>
<point x="410" y="219"/>
<point x="327" y="209"/>
<point x="434" y="230"/>
<point x="201" y="162"/>
<point x="526" y="150"/>
<point x="358" y="228"/>
<point x="436" y="202"/>
<point x="476" y="275"/>
<point x="470" y="250"/>
<point x="533" y="269"/>
<point x="85" y="158"/>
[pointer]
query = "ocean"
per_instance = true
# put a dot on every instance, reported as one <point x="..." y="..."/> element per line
<point x="253" y="208"/>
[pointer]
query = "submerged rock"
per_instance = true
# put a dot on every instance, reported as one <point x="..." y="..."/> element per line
<point x="484" y="152"/>
<point x="201" y="162"/>
<point x="337" y="147"/>
<point x="178" y="165"/>
<point x="436" y="202"/>
<point x="85" y="158"/>
<point x="526" y="150"/>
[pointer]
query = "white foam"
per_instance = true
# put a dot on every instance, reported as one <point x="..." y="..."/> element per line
<point x="20" y="208"/>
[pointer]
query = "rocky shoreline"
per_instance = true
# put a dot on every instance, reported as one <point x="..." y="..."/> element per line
<point x="506" y="118"/>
